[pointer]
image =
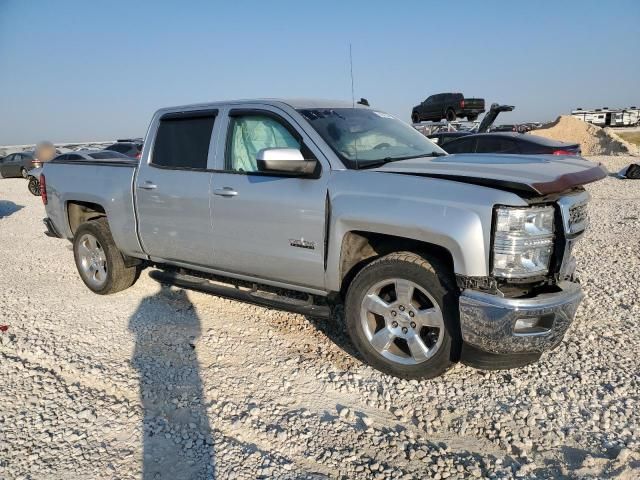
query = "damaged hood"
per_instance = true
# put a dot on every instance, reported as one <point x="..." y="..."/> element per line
<point x="525" y="174"/>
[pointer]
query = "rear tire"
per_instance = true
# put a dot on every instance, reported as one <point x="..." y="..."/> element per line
<point x="451" y="115"/>
<point x="34" y="186"/>
<point x="99" y="262"/>
<point x="415" y="118"/>
<point x="472" y="118"/>
<point x="24" y="173"/>
<point x="402" y="315"/>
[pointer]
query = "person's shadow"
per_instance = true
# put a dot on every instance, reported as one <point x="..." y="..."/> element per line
<point x="178" y="443"/>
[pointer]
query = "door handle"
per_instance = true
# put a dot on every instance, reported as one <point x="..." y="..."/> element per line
<point x="225" y="192"/>
<point x="148" y="185"/>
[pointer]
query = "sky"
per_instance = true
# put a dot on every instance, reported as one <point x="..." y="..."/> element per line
<point x="87" y="71"/>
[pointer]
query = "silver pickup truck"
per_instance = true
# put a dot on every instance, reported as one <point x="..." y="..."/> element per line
<point x="302" y="205"/>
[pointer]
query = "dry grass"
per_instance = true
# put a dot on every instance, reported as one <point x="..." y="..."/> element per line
<point x="631" y="137"/>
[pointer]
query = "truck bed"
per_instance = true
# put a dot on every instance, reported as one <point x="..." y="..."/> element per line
<point x="104" y="182"/>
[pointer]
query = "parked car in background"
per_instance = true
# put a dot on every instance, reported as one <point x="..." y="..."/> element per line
<point x="16" y="164"/>
<point x="442" y="138"/>
<point x="435" y="257"/>
<point x="129" y="147"/>
<point x="44" y="152"/>
<point x="79" y="156"/>
<point x="91" y="155"/>
<point x="449" y="106"/>
<point x="510" y="142"/>
<point x="33" y="181"/>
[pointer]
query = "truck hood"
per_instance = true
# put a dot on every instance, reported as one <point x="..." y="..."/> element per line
<point x="529" y="175"/>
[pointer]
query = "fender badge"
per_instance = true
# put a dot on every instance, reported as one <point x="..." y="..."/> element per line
<point x="302" y="243"/>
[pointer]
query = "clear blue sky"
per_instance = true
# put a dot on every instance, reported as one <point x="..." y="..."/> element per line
<point x="96" y="70"/>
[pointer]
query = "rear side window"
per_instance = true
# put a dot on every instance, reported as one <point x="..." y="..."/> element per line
<point x="461" y="146"/>
<point x="105" y="155"/>
<point x="183" y="140"/>
<point x="119" y="147"/>
<point x="496" y="145"/>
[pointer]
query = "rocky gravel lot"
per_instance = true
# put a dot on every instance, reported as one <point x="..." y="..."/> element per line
<point x="160" y="383"/>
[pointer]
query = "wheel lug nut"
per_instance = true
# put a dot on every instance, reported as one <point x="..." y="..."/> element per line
<point x="413" y="324"/>
<point x="394" y="324"/>
<point x="393" y="313"/>
<point x="401" y="308"/>
<point x="411" y="314"/>
<point x="404" y="330"/>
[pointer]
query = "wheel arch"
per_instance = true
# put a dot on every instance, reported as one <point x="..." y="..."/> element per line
<point x="79" y="212"/>
<point x="359" y="248"/>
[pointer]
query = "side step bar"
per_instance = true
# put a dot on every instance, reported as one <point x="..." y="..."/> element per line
<point x="256" y="297"/>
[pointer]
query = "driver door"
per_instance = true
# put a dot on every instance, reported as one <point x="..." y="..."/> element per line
<point x="268" y="225"/>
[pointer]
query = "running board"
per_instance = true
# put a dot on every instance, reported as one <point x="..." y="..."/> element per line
<point x="256" y="297"/>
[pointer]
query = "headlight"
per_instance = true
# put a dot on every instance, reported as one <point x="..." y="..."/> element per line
<point x="523" y="241"/>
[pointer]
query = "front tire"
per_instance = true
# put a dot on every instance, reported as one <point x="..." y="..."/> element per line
<point x="99" y="262"/>
<point x="415" y="118"/>
<point x="401" y="313"/>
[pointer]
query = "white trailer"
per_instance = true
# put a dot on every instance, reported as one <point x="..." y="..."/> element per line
<point x="614" y="117"/>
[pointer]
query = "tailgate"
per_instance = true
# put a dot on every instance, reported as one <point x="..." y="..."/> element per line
<point x="474" y="103"/>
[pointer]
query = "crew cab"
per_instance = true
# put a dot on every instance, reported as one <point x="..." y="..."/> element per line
<point x="436" y="258"/>
<point x="449" y="106"/>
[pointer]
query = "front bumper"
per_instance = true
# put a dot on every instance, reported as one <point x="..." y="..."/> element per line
<point x="488" y="322"/>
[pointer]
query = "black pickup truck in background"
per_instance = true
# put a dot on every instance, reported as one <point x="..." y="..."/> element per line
<point x="449" y="106"/>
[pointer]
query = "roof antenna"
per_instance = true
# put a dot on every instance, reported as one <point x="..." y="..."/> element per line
<point x="353" y="97"/>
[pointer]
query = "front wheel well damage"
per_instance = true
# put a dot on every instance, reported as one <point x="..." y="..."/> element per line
<point x="359" y="248"/>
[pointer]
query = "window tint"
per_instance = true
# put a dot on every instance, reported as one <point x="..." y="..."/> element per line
<point x="183" y="141"/>
<point x="251" y="133"/>
<point x="496" y="145"/>
<point x="461" y="146"/>
<point x="74" y="156"/>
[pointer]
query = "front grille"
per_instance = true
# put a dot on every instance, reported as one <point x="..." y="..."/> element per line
<point x="578" y="217"/>
<point x="573" y="209"/>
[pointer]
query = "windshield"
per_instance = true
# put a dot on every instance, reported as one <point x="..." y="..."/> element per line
<point x="362" y="137"/>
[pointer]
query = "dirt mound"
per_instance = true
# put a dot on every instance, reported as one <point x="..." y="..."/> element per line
<point x="593" y="140"/>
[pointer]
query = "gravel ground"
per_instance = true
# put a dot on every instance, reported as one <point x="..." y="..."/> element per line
<point x="161" y="383"/>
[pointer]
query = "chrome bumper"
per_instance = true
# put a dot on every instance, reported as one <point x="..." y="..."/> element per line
<point x="488" y="321"/>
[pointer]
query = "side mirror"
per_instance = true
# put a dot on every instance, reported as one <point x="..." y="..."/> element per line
<point x="284" y="160"/>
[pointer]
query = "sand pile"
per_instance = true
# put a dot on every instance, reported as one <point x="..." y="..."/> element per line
<point x="593" y="140"/>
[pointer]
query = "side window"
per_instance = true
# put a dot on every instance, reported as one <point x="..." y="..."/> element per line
<point x="461" y="146"/>
<point x="119" y="147"/>
<point x="248" y="134"/>
<point x="74" y="156"/>
<point x="496" y="145"/>
<point x="182" y="140"/>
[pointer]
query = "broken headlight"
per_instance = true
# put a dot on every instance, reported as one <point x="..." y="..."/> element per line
<point x="523" y="241"/>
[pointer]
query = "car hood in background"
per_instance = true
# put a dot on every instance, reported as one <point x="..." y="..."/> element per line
<point x="526" y="174"/>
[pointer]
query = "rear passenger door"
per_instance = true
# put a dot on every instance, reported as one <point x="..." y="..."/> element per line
<point x="267" y="225"/>
<point x="5" y="163"/>
<point x="172" y="189"/>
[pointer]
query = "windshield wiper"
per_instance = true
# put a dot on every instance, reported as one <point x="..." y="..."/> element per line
<point x="379" y="163"/>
